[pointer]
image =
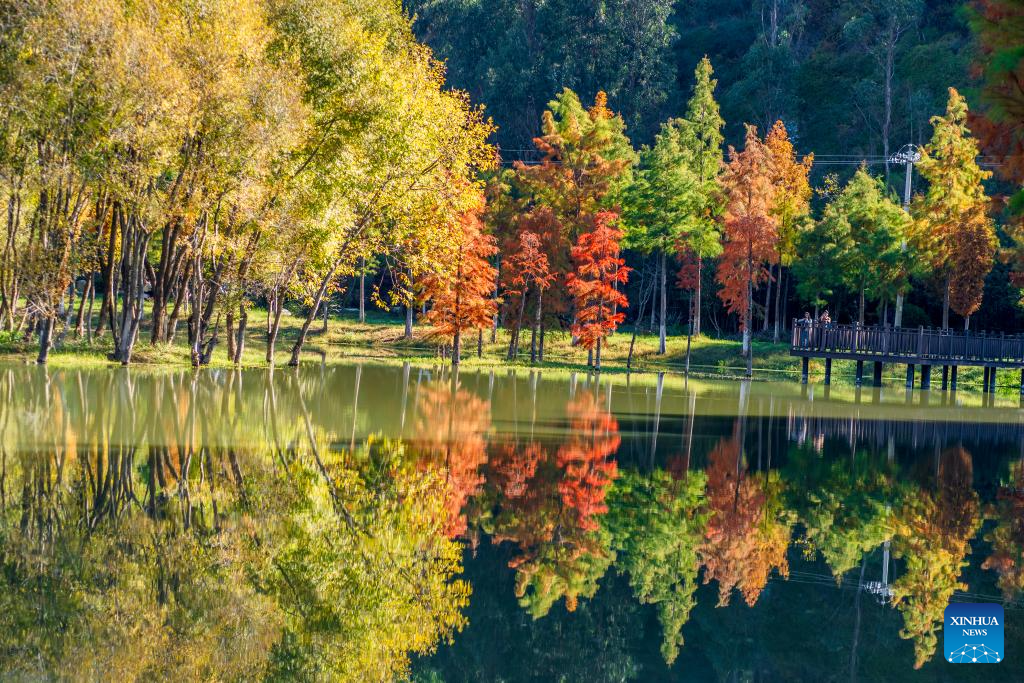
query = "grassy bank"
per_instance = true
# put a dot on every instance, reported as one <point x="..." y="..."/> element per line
<point x="382" y="337"/>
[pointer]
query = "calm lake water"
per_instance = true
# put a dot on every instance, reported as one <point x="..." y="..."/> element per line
<point x="367" y="521"/>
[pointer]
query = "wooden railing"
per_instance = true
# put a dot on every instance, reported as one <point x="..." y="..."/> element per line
<point x="921" y="345"/>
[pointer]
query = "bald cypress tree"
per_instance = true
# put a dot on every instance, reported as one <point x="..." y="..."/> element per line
<point x="953" y="231"/>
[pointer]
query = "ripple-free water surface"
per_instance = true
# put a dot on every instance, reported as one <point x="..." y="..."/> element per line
<point x="643" y="528"/>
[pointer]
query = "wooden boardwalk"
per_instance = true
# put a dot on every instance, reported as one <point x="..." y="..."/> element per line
<point x="923" y="347"/>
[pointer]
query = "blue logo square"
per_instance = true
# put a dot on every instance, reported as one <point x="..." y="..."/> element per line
<point x="972" y="633"/>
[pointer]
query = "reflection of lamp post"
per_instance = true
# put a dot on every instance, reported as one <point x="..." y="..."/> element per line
<point x="909" y="155"/>
<point x="882" y="589"/>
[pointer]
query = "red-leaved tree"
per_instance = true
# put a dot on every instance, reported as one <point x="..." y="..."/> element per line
<point x="750" y="231"/>
<point x="597" y="272"/>
<point x="527" y="270"/>
<point x="463" y="299"/>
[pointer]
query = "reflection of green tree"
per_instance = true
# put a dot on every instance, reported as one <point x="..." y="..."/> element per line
<point x="932" y="534"/>
<point x="207" y="564"/>
<point x="657" y="525"/>
<point x="1007" y="538"/>
<point x="845" y="508"/>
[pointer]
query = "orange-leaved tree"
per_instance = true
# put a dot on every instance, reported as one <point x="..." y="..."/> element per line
<point x="527" y="270"/>
<point x="750" y="229"/>
<point x="597" y="270"/>
<point x="791" y="204"/>
<point x="463" y="298"/>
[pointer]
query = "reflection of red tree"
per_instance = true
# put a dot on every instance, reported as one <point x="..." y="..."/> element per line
<point x="451" y="434"/>
<point x="549" y="505"/>
<point x="513" y="468"/>
<point x="743" y="541"/>
<point x="586" y="460"/>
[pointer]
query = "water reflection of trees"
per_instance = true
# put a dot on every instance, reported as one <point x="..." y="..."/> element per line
<point x="178" y="560"/>
<point x="241" y="525"/>
<point x="548" y="502"/>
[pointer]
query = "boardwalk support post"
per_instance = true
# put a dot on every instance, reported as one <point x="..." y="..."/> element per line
<point x="984" y="381"/>
<point x="926" y="377"/>
<point x="1022" y="382"/>
<point x="952" y="378"/>
<point x="878" y="373"/>
<point x="992" y="381"/>
<point x="860" y="373"/>
<point x="828" y="373"/>
<point x="803" y="369"/>
<point x="945" y="377"/>
<point x="910" y="375"/>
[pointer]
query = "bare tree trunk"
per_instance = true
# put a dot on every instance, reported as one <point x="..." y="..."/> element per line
<point x="697" y="305"/>
<point x="748" y="316"/>
<point x="767" y="302"/>
<point x="229" y="323"/>
<point x="408" y="320"/>
<point x="243" y="322"/>
<point x="300" y="341"/>
<point x="80" y="318"/>
<point x="945" y="305"/>
<point x="362" y="290"/>
<point x="513" y="343"/>
<point x="662" y="329"/>
<point x="273" y="324"/>
<point x="45" y="331"/>
<point x="778" y="300"/>
<point x="536" y="325"/>
<point x="457" y="347"/>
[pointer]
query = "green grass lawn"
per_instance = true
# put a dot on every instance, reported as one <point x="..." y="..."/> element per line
<point x="382" y="337"/>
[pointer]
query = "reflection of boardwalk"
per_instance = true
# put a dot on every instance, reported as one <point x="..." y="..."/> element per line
<point x="914" y="433"/>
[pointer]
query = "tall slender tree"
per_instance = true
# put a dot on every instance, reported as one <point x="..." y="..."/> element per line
<point x="750" y="229"/>
<point x="464" y="300"/>
<point x="705" y="121"/>
<point x="792" y="205"/>
<point x="953" y="230"/>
